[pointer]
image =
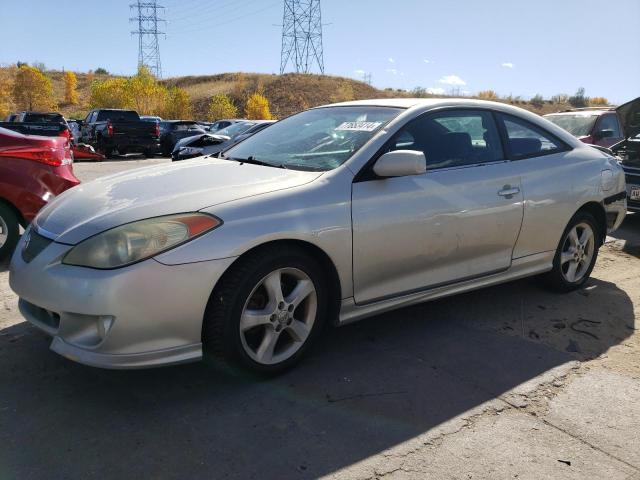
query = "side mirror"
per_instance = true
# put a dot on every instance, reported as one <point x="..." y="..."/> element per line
<point x="401" y="163"/>
<point x="603" y="134"/>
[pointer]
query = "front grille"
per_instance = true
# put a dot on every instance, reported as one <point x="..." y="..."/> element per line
<point x="34" y="245"/>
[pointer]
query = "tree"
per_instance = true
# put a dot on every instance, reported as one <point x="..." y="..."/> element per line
<point x="579" y="100"/>
<point x="257" y="107"/>
<point x="70" y="88"/>
<point x="32" y="90"/>
<point x="599" y="101"/>
<point x="6" y="86"/>
<point x="537" y="101"/>
<point x="110" y="93"/>
<point x="178" y="104"/>
<point x="221" y="106"/>
<point x="101" y="71"/>
<point x="147" y="95"/>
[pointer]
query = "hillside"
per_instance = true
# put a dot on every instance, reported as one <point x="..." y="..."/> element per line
<point x="287" y="93"/>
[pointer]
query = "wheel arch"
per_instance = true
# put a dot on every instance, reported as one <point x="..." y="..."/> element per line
<point x="334" y="285"/>
<point x="15" y="210"/>
<point x="598" y="212"/>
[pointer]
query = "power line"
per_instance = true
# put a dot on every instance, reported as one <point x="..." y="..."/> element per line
<point x="302" y="36"/>
<point x="147" y="21"/>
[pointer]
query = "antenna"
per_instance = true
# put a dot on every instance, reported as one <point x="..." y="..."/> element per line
<point x="147" y="21"/>
<point x="302" y="36"/>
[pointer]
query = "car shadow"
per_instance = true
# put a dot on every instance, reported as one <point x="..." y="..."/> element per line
<point x="628" y="235"/>
<point x="366" y="388"/>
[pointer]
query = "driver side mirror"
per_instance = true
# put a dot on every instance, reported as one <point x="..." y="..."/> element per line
<point x="603" y="134"/>
<point x="401" y="163"/>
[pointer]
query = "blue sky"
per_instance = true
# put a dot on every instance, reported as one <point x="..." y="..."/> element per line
<point x="511" y="46"/>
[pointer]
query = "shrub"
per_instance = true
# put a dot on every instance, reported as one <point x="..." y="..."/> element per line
<point x="70" y="88"/>
<point x="579" y="100"/>
<point x="110" y="93"/>
<point x="537" y="101"/>
<point x="560" y="98"/>
<point x="32" y="90"/>
<point x="599" y="101"/>
<point x="6" y="86"/>
<point x="101" y="71"/>
<point x="221" y="106"/>
<point x="488" y="95"/>
<point x="178" y="104"/>
<point x="257" y="107"/>
<point x="147" y="96"/>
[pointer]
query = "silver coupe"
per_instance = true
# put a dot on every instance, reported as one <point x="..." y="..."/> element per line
<point x="329" y="216"/>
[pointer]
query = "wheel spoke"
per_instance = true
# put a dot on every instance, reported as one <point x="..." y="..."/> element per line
<point x="299" y="331"/>
<point x="586" y="236"/>
<point x="303" y="289"/>
<point x="273" y="285"/>
<point x="566" y="257"/>
<point x="571" y="273"/>
<point x="573" y="237"/>
<point x="254" y="318"/>
<point x="264" y="353"/>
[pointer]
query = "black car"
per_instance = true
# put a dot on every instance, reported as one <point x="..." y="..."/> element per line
<point x="629" y="150"/>
<point x="214" y="143"/>
<point x="172" y="131"/>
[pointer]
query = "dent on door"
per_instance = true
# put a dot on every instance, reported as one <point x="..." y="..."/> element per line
<point x="423" y="231"/>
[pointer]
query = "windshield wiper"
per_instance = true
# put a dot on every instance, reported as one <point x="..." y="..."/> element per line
<point x="253" y="161"/>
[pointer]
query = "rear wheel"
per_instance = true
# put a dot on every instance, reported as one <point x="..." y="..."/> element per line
<point x="9" y="231"/>
<point x="576" y="255"/>
<point x="149" y="153"/>
<point x="267" y="310"/>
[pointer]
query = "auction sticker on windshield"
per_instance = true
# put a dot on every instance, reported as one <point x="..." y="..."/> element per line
<point x="358" y="126"/>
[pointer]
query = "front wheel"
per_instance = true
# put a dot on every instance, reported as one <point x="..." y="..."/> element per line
<point x="267" y="310"/>
<point x="576" y="255"/>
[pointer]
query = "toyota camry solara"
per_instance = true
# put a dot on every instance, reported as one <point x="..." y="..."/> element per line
<point x="329" y="216"/>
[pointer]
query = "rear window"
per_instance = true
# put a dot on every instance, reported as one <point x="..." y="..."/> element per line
<point x="183" y="126"/>
<point x="577" y="124"/>
<point x="43" y="118"/>
<point x="118" y="116"/>
<point x="527" y="140"/>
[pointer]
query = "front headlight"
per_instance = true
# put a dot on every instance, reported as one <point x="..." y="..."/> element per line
<point x="137" y="241"/>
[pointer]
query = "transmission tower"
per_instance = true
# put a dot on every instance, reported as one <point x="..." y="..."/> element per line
<point x="302" y="36"/>
<point x="147" y="22"/>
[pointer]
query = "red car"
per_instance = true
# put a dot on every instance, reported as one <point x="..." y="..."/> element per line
<point x="594" y="125"/>
<point x="33" y="170"/>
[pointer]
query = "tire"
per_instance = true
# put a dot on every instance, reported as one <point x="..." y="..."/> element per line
<point x="149" y="154"/>
<point x="272" y="336"/>
<point x="574" y="255"/>
<point x="9" y="231"/>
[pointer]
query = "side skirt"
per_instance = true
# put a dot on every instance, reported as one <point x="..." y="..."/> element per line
<point x="520" y="268"/>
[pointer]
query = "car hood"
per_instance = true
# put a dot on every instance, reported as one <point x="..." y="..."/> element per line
<point x="189" y="186"/>
<point x="629" y="114"/>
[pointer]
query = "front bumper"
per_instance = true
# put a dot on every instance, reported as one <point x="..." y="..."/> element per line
<point x="632" y="177"/>
<point x="145" y="315"/>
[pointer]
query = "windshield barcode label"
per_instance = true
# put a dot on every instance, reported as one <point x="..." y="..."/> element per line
<point x="358" y="126"/>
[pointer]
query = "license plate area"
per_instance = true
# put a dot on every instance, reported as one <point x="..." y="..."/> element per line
<point x="634" y="194"/>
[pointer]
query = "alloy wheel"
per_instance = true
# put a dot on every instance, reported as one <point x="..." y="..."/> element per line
<point x="4" y="232"/>
<point x="278" y="316"/>
<point x="577" y="252"/>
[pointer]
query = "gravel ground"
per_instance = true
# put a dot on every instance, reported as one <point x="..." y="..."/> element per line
<point x="507" y="382"/>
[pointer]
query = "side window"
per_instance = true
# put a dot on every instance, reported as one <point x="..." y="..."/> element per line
<point x="527" y="140"/>
<point x="610" y="122"/>
<point x="454" y="138"/>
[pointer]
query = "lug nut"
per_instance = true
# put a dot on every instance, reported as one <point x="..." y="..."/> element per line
<point x="291" y="308"/>
<point x="273" y="318"/>
<point x="281" y="305"/>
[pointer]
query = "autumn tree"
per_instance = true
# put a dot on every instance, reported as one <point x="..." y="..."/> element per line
<point x="110" y="93"/>
<point x="178" y="104"/>
<point x="598" y="101"/>
<point x="257" y="107"/>
<point x="70" y="88"/>
<point x="6" y="87"/>
<point x="147" y="95"/>
<point x="221" y="106"/>
<point x="32" y="89"/>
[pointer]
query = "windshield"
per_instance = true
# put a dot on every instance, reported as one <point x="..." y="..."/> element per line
<point x="183" y="127"/>
<point x="235" y="129"/>
<point x="320" y="139"/>
<point x="578" y="125"/>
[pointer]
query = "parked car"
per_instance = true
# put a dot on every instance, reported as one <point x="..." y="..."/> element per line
<point x="174" y="130"/>
<point x="150" y="118"/>
<point x="616" y="128"/>
<point x="628" y="150"/>
<point x="331" y="215"/>
<point x="111" y="130"/>
<point x="212" y="144"/>
<point x="10" y="117"/>
<point x="49" y="124"/>
<point x="596" y="126"/>
<point x="224" y="123"/>
<point x="33" y="171"/>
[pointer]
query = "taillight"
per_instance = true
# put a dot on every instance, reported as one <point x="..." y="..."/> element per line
<point x="54" y="157"/>
<point x="157" y="129"/>
<point x="109" y="128"/>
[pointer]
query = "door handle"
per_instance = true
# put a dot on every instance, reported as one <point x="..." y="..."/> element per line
<point x="508" y="191"/>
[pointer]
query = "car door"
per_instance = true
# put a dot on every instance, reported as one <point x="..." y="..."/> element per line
<point x="457" y="221"/>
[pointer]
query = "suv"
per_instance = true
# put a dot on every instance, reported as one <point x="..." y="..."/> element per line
<point x="596" y="126"/>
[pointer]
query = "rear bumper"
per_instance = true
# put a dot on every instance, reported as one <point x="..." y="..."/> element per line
<point x="133" y="144"/>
